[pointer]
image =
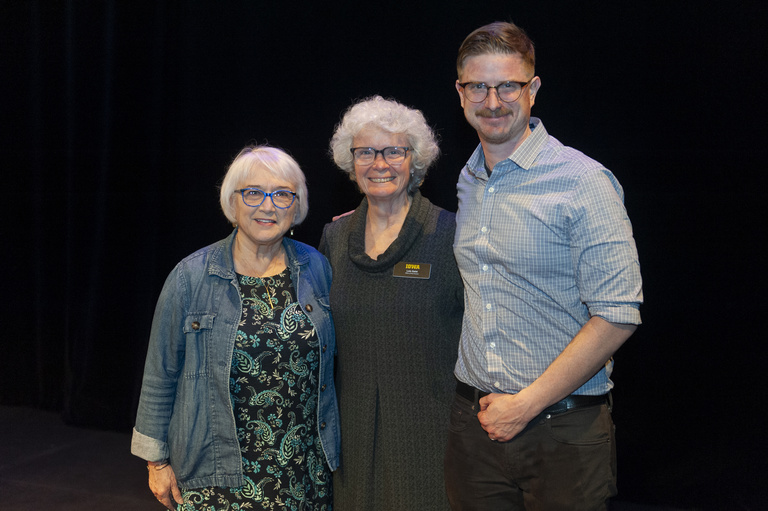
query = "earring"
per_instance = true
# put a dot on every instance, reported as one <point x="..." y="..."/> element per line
<point x="291" y="231"/>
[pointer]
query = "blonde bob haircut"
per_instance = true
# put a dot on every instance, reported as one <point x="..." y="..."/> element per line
<point x="390" y="116"/>
<point x="278" y="163"/>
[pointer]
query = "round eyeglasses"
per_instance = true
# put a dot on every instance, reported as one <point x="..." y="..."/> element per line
<point x="508" y="91"/>
<point x="367" y="155"/>
<point x="253" y="197"/>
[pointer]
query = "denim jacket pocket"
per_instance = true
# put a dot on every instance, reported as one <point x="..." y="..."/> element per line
<point x="325" y="302"/>
<point x="198" y="327"/>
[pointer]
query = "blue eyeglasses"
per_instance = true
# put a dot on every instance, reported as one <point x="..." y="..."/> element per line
<point x="254" y="197"/>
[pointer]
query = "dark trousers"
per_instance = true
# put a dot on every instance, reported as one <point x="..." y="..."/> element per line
<point x="559" y="462"/>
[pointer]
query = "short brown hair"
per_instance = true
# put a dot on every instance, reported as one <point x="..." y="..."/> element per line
<point x="499" y="37"/>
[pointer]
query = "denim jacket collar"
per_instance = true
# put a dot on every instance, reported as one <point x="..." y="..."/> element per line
<point x="222" y="262"/>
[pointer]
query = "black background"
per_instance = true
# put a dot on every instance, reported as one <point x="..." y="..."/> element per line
<point x="120" y="118"/>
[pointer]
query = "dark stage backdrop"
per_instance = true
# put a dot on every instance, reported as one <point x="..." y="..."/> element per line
<point x="119" y="119"/>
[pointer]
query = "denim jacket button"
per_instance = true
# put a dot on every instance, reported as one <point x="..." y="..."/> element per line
<point x="322" y="389"/>
<point x="308" y="307"/>
<point x="325" y="347"/>
<point x="195" y="325"/>
<point x="322" y="425"/>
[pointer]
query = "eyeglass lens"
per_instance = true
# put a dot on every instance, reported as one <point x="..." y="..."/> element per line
<point x="478" y="91"/>
<point x="280" y="198"/>
<point x="367" y="155"/>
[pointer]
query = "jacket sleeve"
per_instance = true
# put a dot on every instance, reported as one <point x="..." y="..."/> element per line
<point x="164" y="363"/>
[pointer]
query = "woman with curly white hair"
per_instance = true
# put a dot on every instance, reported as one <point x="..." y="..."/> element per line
<point x="397" y="300"/>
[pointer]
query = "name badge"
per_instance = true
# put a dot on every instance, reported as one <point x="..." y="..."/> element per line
<point x="412" y="270"/>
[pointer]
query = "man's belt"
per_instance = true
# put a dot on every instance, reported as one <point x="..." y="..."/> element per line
<point x="569" y="403"/>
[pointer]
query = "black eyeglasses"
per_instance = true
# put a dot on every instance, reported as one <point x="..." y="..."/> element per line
<point x="367" y="155"/>
<point x="508" y="91"/>
<point x="253" y="197"/>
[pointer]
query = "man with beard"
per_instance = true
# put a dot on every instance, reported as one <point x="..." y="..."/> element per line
<point x="552" y="290"/>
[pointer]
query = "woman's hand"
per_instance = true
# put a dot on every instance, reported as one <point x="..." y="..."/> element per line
<point x="162" y="482"/>
<point x="342" y="215"/>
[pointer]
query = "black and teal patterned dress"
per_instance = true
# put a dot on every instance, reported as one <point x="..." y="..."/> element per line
<point x="274" y="393"/>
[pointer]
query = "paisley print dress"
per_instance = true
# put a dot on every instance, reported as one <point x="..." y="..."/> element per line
<point x="273" y="386"/>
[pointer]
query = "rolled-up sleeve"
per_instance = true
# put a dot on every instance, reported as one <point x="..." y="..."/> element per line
<point x="165" y="357"/>
<point x="604" y="251"/>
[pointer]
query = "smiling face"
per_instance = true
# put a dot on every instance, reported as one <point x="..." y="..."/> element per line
<point x="499" y="125"/>
<point x="381" y="181"/>
<point x="265" y="224"/>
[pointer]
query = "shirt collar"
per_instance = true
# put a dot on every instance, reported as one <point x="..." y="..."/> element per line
<point x="523" y="157"/>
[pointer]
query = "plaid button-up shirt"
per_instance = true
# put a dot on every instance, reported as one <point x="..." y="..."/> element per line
<point x="542" y="244"/>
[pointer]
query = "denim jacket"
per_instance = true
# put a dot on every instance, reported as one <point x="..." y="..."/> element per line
<point x="185" y="411"/>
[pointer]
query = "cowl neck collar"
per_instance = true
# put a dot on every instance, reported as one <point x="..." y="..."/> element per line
<point x="409" y="233"/>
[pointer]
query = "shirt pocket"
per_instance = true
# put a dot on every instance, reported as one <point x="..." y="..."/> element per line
<point x="198" y="330"/>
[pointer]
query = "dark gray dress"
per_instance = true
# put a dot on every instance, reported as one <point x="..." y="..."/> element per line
<point x="397" y="340"/>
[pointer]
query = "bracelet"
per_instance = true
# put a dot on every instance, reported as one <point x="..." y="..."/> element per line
<point x="160" y="465"/>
